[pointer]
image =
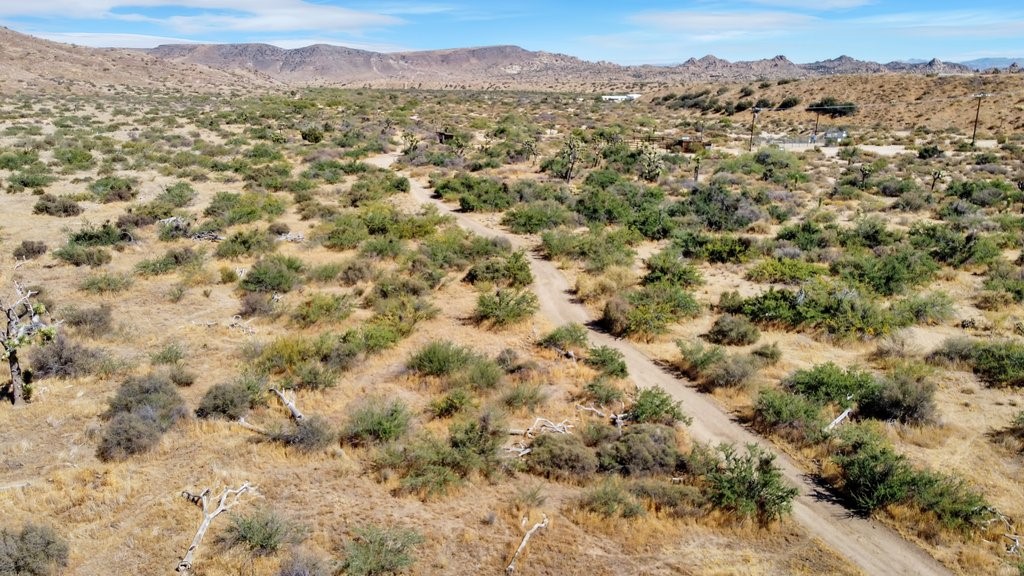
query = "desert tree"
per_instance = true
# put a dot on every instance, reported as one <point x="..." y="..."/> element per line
<point x="23" y="325"/>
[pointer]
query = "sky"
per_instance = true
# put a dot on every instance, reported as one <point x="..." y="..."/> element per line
<point x="624" y="32"/>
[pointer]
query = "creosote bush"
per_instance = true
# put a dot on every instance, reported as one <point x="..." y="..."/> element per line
<point x="29" y="250"/>
<point x="655" y="406"/>
<point x="380" y="550"/>
<point x="731" y="330"/>
<point x="230" y="401"/>
<point x="561" y="457"/>
<point x="34" y="550"/>
<point x="262" y="532"/>
<point x="376" y="420"/>
<point x="311" y="434"/>
<point x="142" y="410"/>
<point x="505" y="307"/>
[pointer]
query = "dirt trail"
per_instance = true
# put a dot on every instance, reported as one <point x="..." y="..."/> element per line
<point x="872" y="547"/>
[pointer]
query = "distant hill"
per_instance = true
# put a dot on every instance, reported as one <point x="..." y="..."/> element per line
<point x="29" y="64"/>
<point x="989" y="63"/>
<point x="503" y="67"/>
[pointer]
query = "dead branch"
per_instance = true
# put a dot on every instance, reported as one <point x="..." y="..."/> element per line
<point x="839" y="419"/>
<point x="227" y="499"/>
<point x="519" y="449"/>
<point x="290" y="405"/>
<point x="591" y="409"/>
<point x="511" y="568"/>
<point x="252" y="427"/>
<point x="543" y="425"/>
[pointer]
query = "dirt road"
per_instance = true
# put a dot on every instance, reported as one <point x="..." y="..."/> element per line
<point x="874" y="548"/>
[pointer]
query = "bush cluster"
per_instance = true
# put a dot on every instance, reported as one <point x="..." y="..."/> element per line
<point x="142" y="410"/>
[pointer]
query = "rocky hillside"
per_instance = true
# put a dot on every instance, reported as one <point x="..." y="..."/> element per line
<point x="30" y="64"/>
<point x="503" y="66"/>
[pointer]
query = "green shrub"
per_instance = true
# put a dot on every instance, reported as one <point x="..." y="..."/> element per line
<point x="170" y="261"/>
<point x="655" y="406"/>
<point x="873" y="475"/>
<point x="561" y="457"/>
<point x="905" y="394"/>
<point x="114" y="189"/>
<point x="74" y="157"/>
<point x="643" y="449"/>
<point x="784" y="271"/>
<point x="732" y="372"/>
<point x="379" y="551"/>
<point x="603" y="392"/>
<point x="229" y="208"/>
<point x="697" y="359"/>
<point x="226" y="400"/>
<point x="610" y="499"/>
<point x="273" y="274"/>
<point x="452" y="403"/>
<point x="245" y="243"/>
<point x="669" y="266"/>
<point x="61" y="206"/>
<point x="523" y="395"/>
<point x="322" y="308"/>
<point x="376" y="420"/>
<point x="512" y="271"/>
<point x="171" y="353"/>
<point x="343" y="232"/>
<point x="750" y="485"/>
<point x="263" y="532"/>
<point x="567" y="336"/>
<point x="440" y="358"/>
<point x="930" y="309"/>
<point x="790" y="416"/>
<point x="78" y="255"/>
<point x="106" y="283"/>
<point x="34" y="550"/>
<point x="607" y="361"/>
<point x="888" y="274"/>
<point x="505" y="307"/>
<point x="830" y="383"/>
<point x="720" y="249"/>
<point x="536" y="217"/>
<point x="733" y="330"/>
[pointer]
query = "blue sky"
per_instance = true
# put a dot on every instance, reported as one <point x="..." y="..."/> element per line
<point x="626" y="31"/>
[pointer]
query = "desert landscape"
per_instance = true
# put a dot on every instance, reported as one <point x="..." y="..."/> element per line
<point x="453" y="312"/>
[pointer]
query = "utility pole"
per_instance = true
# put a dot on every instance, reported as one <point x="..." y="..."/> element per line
<point x="753" y="123"/>
<point x="977" y="112"/>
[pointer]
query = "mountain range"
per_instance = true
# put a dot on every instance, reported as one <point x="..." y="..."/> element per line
<point x="501" y="66"/>
<point x="28" y="63"/>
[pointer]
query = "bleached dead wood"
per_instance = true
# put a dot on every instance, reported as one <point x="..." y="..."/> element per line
<point x="839" y="419"/>
<point x="289" y="404"/>
<point x="618" y="419"/>
<point x="511" y="568"/>
<point x="252" y="427"/>
<point x="227" y="499"/>
<point x="543" y="425"/>
<point x="519" y="449"/>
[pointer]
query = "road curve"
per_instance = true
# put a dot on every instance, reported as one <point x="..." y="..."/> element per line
<point x="874" y="548"/>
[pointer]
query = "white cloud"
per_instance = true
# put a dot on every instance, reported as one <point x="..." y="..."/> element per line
<point x="951" y="24"/>
<point x="242" y="15"/>
<point x="102" y="40"/>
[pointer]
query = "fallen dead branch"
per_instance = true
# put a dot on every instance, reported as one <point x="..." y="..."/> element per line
<point x="511" y="568"/>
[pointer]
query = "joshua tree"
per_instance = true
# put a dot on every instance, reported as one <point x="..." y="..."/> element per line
<point x="22" y="326"/>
